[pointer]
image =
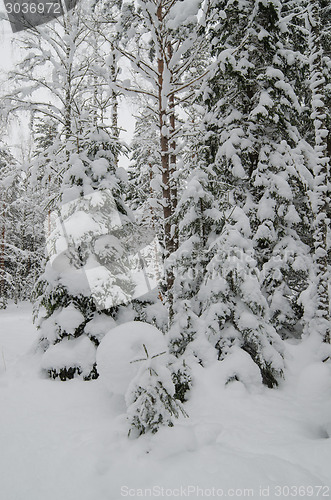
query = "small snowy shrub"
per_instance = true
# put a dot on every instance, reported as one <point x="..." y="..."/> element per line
<point x="181" y="377"/>
<point x="73" y="357"/>
<point x="239" y="366"/>
<point x="150" y="397"/>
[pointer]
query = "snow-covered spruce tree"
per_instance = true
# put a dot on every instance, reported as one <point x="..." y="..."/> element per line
<point x="87" y="274"/>
<point x="281" y="235"/>
<point x="195" y="216"/>
<point x="254" y="143"/>
<point x="77" y="168"/>
<point x="235" y="312"/>
<point x="143" y="197"/>
<point x="144" y="172"/>
<point x="317" y="298"/>
<point x="150" y="398"/>
<point x="196" y="213"/>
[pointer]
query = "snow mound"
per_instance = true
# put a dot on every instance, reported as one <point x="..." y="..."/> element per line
<point x="69" y="318"/>
<point x="170" y="441"/>
<point x="207" y="432"/>
<point x="315" y="382"/>
<point x="70" y="353"/>
<point x="183" y="13"/>
<point x="121" y="347"/>
<point x="184" y="437"/>
<point x="99" y="326"/>
<point x="238" y="365"/>
<point x="314" y="394"/>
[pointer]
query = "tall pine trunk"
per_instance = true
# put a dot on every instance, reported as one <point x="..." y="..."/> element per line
<point x="168" y="162"/>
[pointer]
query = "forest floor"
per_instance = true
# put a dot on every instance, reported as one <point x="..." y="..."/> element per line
<point x="68" y="440"/>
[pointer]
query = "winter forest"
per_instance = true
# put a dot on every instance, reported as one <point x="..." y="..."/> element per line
<point x="165" y="295"/>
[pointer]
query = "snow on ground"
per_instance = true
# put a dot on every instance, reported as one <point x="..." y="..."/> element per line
<point x="67" y="440"/>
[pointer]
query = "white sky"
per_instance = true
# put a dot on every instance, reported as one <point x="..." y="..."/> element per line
<point x="8" y="55"/>
<point x="6" y="38"/>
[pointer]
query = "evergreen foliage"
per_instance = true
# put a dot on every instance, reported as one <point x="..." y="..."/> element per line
<point x="22" y="239"/>
<point x="150" y="398"/>
<point x="227" y="202"/>
<point x="254" y="146"/>
<point x="91" y="275"/>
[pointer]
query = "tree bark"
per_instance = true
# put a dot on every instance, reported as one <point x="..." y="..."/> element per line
<point x="114" y="101"/>
<point x="173" y="158"/>
<point x="168" y="205"/>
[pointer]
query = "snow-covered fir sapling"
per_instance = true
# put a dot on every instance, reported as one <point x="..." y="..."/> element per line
<point x="87" y="273"/>
<point x="197" y="211"/>
<point x="150" y="397"/>
<point x="235" y="313"/>
<point x="143" y="198"/>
